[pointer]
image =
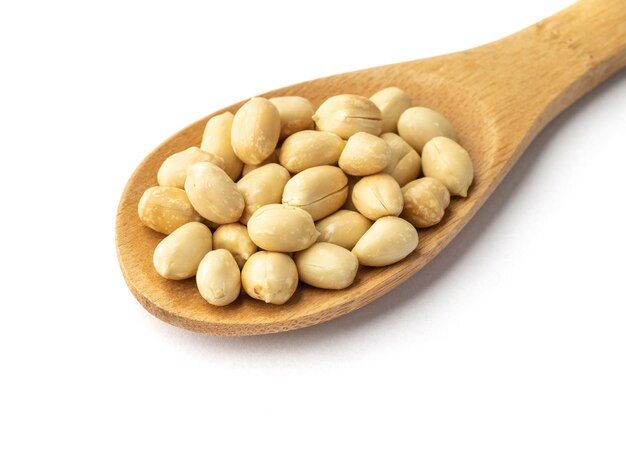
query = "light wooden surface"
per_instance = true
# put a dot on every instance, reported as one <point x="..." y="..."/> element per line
<point x="498" y="96"/>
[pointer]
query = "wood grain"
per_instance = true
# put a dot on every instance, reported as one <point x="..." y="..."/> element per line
<point x="498" y="96"/>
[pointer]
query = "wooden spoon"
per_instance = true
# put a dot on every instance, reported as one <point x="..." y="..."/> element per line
<point x="498" y="96"/>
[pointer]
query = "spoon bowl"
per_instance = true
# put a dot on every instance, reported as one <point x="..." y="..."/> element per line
<point x="498" y="97"/>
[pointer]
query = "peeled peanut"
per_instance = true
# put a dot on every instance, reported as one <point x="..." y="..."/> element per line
<point x="234" y="237"/>
<point x="282" y="228"/>
<point x="296" y="114"/>
<point x="309" y="148"/>
<point x="165" y="208"/>
<point x="270" y="276"/>
<point x="256" y="129"/>
<point x="247" y="168"/>
<point x="347" y="114"/>
<point x="404" y="162"/>
<point x="173" y="171"/>
<point x="425" y="201"/>
<point x="377" y="196"/>
<point x="178" y="255"/>
<point x="364" y="154"/>
<point x="343" y="228"/>
<point x="418" y="125"/>
<point x="327" y="266"/>
<point x="216" y="140"/>
<point x="261" y="187"/>
<point x="319" y="190"/>
<point x="295" y="227"/>
<point x="392" y="102"/>
<point x="447" y="161"/>
<point x="218" y="278"/>
<point x="388" y="240"/>
<point x="213" y="194"/>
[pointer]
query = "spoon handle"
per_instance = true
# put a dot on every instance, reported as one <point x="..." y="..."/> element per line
<point x="543" y="69"/>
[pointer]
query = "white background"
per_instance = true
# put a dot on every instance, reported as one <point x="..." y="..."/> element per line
<point x="512" y="339"/>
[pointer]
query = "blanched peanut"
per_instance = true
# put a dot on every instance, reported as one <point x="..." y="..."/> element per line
<point x="296" y="114"/>
<point x="319" y="190"/>
<point x="234" y="237"/>
<point x="282" y="228"/>
<point x="256" y="129"/>
<point x="347" y="114"/>
<point x="450" y="163"/>
<point x="247" y="168"/>
<point x="327" y="266"/>
<point x="261" y="187"/>
<point x="216" y="140"/>
<point x="173" y="171"/>
<point x="404" y="162"/>
<point x="343" y="228"/>
<point x="392" y="102"/>
<point x="165" y="208"/>
<point x="418" y="125"/>
<point x="269" y="276"/>
<point x="310" y="148"/>
<point x="364" y="154"/>
<point x="218" y="278"/>
<point x="389" y="240"/>
<point x="213" y="194"/>
<point x="335" y="195"/>
<point x="178" y="255"/>
<point x="378" y="196"/>
<point x="425" y="201"/>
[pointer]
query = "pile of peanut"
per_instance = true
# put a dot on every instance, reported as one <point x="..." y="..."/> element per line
<point x="295" y="195"/>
